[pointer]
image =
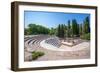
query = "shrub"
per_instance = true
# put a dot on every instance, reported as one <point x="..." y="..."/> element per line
<point x="86" y="36"/>
<point x="37" y="54"/>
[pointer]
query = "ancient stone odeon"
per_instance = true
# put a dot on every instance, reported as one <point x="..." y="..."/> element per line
<point x="33" y="43"/>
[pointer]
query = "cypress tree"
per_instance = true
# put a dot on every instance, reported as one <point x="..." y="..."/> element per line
<point x="80" y="29"/>
<point x="75" y="28"/>
<point x="86" y="26"/>
<point x="58" y="30"/>
<point x="68" y="29"/>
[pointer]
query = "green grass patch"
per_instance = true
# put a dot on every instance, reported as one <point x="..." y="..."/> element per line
<point x="37" y="54"/>
<point x="86" y="36"/>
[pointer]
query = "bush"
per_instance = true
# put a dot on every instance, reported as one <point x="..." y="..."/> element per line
<point x="86" y="36"/>
<point x="37" y="54"/>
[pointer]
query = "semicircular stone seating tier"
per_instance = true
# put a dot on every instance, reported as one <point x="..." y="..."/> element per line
<point x="32" y="43"/>
<point x="53" y="41"/>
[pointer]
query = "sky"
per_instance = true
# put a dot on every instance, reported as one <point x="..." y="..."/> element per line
<point x="51" y="19"/>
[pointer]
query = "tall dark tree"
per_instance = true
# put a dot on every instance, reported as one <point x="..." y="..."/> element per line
<point x="61" y="31"/>
<point x="65" y="28"/>
<point x="68" y="29"/>
<point x="86" y="26"/>
<point x="80" y="29"/>
<point x="75" y="28"/>
<point x="58" y="30"/>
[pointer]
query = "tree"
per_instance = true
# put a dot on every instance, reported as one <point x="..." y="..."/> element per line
<point x="80" y="29"/>
<point x="68" y="29"/>
<point x="75" y="28"/>
<point x="52" y="31"/>
<point x="26" y="32"/>
<point x="32" y="29"/>
<point x="65" y="28"/>
<point x="58" y="31"/>
<point x="61" y="31"/>
<point x="37" y="29"/>
<point x="86" y="26"/>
